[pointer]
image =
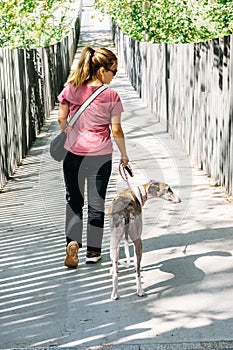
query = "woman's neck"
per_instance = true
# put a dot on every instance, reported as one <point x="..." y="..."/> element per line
<point x="94" y="82"/>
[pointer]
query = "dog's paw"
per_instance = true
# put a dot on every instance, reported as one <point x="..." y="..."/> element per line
<point x="141" y="293"/>
<point x="114" y="296"/>
<point x="126" y="264"/>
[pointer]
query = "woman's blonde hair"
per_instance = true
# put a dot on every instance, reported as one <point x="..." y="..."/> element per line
<point x="89" y="63"/>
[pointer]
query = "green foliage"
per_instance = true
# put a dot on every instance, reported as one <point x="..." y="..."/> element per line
<point x="171" y="21"/>
<point x="35" y="23"/>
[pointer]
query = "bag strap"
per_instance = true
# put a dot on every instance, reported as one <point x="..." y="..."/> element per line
<point x="86" y="104"/>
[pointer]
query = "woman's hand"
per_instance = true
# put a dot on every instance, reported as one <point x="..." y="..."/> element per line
<point x="124" y="159"/>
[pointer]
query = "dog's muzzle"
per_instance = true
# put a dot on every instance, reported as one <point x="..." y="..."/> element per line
<point x="170" y="196"/>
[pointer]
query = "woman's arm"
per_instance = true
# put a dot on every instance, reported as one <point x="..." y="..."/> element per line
<point x="119" y="138"/>
<point x="63" y="113"/>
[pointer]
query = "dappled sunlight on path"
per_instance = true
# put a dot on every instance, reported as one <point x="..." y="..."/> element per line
<point x="187" y="248"/>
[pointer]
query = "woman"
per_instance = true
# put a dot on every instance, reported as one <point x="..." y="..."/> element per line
<point x="89" y="146"/>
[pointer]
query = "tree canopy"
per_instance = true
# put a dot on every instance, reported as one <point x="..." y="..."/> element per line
<point x="171" y="21"/>
<point x="35" y="23"/>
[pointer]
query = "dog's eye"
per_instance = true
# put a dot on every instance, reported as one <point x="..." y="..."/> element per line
<point x="169" y="190"/>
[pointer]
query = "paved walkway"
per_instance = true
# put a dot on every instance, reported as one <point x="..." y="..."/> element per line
<point x="187" y="262"/>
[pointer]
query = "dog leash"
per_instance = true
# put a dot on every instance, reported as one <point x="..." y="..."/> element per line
<point x="139" y="191"/>
<point x="124" y="171"/>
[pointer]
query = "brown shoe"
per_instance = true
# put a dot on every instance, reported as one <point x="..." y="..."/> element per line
<point x="71" y="259"/>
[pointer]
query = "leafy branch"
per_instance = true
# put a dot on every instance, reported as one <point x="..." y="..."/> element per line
<point x="35" y="23"/>
<point x="171" y="21"/>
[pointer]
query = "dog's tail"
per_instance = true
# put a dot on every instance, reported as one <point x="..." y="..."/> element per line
<point x="118" y="220"/>
<point x="121" y="220"/>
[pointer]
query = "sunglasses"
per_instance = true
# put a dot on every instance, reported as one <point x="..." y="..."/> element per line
<point x="114" y="72"/>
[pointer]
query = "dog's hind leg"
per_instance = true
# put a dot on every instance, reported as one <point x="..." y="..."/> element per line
<point x="135" y="231"/>
<point x="138" y="257"/>
<point x="116" y="235"/>
<point x="126" y="246"/>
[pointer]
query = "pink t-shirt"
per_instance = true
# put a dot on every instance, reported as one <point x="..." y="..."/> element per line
<point x="90" y="134"/>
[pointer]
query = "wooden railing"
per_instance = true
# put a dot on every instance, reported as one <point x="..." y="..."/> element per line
<point x="189" y="87"/>
<point x="30" y="81"/>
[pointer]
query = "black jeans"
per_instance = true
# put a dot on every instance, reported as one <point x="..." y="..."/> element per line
<point x="95" y="171"/>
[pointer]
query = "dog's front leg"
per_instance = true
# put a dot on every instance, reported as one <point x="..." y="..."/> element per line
<point x="138" y="257"/>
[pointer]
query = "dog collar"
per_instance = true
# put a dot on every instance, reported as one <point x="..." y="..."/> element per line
<point x="140" y="193"/>
<point x="143" y="194"/>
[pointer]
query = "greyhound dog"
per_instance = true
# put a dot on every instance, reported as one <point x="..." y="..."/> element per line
<point x="125" y="214"/>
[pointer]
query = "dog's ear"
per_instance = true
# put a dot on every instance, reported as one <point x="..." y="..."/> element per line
<point x="153" y="188"/>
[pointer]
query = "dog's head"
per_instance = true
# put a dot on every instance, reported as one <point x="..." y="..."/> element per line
<point x="162" y="190"/>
